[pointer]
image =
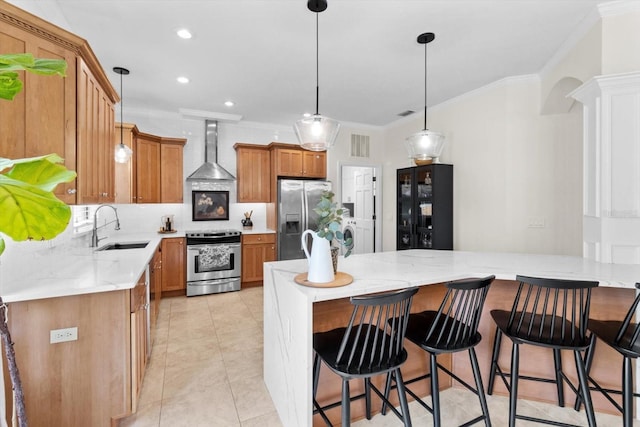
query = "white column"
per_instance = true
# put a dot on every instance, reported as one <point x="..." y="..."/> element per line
<point x="611" y="184"/>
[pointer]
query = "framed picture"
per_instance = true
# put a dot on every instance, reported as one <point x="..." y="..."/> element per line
<point x="210" y="205"/>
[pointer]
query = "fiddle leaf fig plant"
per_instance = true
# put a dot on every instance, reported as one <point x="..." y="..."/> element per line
<point x="330" y="220"/>
<point x="10" y="64"/>
<point x="30" y="211"/>
<point x="29" y="208"/>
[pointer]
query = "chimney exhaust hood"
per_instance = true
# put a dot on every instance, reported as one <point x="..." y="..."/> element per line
<point x="211" y="170"/>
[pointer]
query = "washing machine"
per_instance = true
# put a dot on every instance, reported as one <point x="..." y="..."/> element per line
<point x="349" y="231"/>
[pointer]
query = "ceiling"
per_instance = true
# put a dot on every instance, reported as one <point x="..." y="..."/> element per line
<point x="261" y="53"/>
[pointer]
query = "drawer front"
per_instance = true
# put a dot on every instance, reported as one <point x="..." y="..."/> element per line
<point x="254" y="239"/>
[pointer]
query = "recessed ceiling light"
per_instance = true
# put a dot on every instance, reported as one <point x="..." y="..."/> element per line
<point x="306" y="115"/>
<point x="229" y="103"/>
<point x="183" y="80"/>
<point x="184" y="33"/>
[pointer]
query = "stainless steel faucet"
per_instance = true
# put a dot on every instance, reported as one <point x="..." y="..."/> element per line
<point x="94" y="233"/>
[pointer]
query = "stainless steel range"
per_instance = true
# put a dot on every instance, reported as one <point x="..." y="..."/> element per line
<point x="214" y="260"/>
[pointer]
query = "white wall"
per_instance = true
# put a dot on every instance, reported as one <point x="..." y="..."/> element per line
<point x="512" y="168"/>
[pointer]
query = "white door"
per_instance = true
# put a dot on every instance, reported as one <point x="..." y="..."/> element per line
<point x="363" y="215"/>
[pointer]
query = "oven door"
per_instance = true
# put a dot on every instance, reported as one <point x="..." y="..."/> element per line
<point x="213" y="261"/>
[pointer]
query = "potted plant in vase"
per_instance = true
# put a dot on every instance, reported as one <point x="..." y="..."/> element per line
<point x="330" y="226"/>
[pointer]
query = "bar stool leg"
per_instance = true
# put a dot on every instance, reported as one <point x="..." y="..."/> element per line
<point x="588" y="361"/>
<point x="584" y="388"/>
<point x="435" y="391"/>
<point x="346" y="403"/>
<point x="402" y="396"/>
<point x="627" y="393"/>
<point x="367" y="397"/>
<point x="513" y="392"/>
<point x="479" y="386"/>
<point x="557" y="363"/>
<point x="494" y="360"/>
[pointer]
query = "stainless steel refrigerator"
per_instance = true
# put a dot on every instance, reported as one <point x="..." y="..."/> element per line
<point x="296" y="200"/>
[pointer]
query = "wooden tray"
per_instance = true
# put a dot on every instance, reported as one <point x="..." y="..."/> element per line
<point x="167" y="232"/>
<point x="341" y="279"/>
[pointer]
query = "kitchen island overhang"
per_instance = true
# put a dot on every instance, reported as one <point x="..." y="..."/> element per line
<point x="289" y="307"/>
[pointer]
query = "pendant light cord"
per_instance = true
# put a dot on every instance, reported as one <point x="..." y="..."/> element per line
<point x="425" y="86"/>
<point x="317" y="65"/>
<point x="121" y="108"/>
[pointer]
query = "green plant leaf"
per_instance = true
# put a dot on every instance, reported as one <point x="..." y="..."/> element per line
<point x="29" y="212"/>
<point x="1" y="245"/>
<point x="10" y="83"/>
<point x="43" y="172"/>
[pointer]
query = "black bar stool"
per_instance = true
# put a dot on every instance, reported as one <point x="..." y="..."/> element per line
<point x="370" y="345"/>
<point x="622" y="336"/>
<point x="453" y="328"/>
<point x="549" y="313"/>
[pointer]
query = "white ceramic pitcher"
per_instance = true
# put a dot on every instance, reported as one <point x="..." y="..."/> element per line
<point x="320" y="264"/>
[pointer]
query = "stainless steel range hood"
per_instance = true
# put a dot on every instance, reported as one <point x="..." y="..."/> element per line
<point x="211" y="170"/>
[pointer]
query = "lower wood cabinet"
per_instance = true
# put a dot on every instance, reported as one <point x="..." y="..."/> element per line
<point x="256" y="250"/>
<point x="174" y="255"/>
<point x="155" y="288"/>
<point x="91" y="381"/>
<point x="139" y="337"/>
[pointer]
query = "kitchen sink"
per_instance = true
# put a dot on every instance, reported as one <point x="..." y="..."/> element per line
<point x="120" y="246"/>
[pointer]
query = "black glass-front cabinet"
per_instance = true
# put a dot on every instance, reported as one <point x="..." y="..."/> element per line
<point x="425" y="207"/>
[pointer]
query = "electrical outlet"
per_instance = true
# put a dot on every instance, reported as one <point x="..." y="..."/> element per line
<point x="536" y="222"/>
<point x="63" y="335"/>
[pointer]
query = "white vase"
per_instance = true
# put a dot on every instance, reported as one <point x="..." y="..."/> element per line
<point x="320" y="264"/>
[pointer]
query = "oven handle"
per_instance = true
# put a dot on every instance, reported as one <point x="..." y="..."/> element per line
<point x="198" y="247"/>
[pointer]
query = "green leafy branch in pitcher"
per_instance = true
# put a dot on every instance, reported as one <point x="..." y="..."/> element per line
<point x="330" y="221"/>
<point x="28" y="207"/>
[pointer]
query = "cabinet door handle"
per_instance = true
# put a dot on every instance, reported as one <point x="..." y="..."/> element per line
<point x="72" y="191"/>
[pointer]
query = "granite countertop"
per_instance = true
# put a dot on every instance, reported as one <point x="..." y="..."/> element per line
<point x="75" y="268"/>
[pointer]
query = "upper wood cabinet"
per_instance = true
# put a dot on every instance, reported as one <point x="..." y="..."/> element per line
<point x="147" y="163"/>
<point x="154" y="174"/>
<point x="291" y="161"/>
<point x="70" y="116"/>
<point x="94" y="140"/>
<point x="254" y="173"/>
<point x="171" y="182"/>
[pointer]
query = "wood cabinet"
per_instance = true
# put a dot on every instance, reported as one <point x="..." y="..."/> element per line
<point x="253" y="173"/>
<point x="171" y="181"/>
<point x="138" y="338"/>
<point x="147" y="169"/>
<point x="70" y="116"/>
<point x="42" y="118"/>
<point x="84" y="382"/>
<point x="95" y="136"/>
<point x="291" y="161"/>
<point x="256" y="250"/>
<point x="154" y="174"/>
<point x="174" y="254"/>
<point x="425" y="207"/>
<point x="155" y="287"/>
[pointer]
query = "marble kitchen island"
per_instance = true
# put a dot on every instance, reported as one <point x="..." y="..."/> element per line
<point x="289" y="307"/>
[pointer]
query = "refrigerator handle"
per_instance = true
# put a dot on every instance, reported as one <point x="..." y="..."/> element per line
<point x="305" y="214"/>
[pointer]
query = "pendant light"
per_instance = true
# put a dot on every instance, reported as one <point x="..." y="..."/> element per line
<point x="425" y="145"/>
<point x="122" y="152"/>
<point x="316" y="132"/>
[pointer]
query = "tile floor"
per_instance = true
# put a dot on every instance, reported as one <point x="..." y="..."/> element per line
<point x="206" y="370"/>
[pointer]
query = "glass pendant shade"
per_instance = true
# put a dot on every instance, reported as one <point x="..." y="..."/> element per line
<point x="316" y="133"/>
<point x="424" y="146"/>
<point x="122" y="153"/>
